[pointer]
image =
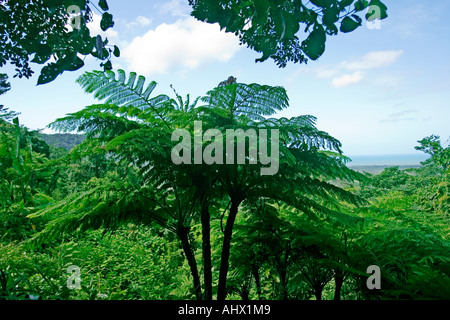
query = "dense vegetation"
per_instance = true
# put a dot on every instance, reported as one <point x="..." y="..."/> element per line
<point x="109" y="214"/>
<point x="139" y="226"/>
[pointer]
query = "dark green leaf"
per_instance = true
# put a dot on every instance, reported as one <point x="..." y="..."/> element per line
<point x="265" y="45"/>
<point x="332" y="30"/>
<point x="360" y="5"/>
<point x="349" y="25"/>
<point x="107" y="66"/>
<point x="330" y="15"/>
<point x="71" y="63"/>
<point x="107" y="21"/>
<point x="377" y="10"/>
<point x="103" y="4"/>
<point x="84" y="43"/>
<point x="314" y="45"/>
<point x="49" y="73"/>
<point x="345" y="3"/>
<point x="116" y="51"/>
<point x="43" y="53"/>
<point x="210" y="10"/>
<point x="321" y="3"/>
<point x="262" y="13"/>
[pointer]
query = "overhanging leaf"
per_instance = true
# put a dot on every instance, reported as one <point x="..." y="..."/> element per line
<point x="107" y="21"/>
<point x="70" y="63"/>
<point x="349" y="25"/>
<point x="116" y="51"/>
<point x="49" y="73"/>
<point x="376" y="10"/>
<point x="314" y="45"/>
<point x="103" y="4"/>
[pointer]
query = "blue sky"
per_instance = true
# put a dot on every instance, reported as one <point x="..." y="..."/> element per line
<point x="376" y="90"/>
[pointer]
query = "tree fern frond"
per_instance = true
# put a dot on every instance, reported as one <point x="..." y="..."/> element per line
<point x="252" y="100"/>
<point x="106" y="204"/>
<point x="104" y="121"/>
<point x="105" y="86"/>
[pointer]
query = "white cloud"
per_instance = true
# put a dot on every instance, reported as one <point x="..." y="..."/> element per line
<point x="354" y="71"/>
<point x="347" y="79"/>
<point x="140" y="22"/>
<point x="372" y="60"/>
<point x="185" y="44"/>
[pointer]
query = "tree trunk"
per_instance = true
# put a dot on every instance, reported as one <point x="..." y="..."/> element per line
<point x="257" y="281"/>
<point x="245" y="294"/>
<point x="338" y="281"/>
<point x="283" y="272"/>
<point x="183" y="235"/>
<point x="318" y="293"/>
<point x="206" y="245"/>
<point x="222" y="288"/>
<point x="283" y="281"/>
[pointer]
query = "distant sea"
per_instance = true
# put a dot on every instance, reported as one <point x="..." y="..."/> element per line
<point x="387" y="160"/>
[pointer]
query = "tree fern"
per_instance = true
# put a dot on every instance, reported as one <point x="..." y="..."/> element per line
<point x="138" y="132"/>
<point x="251" y="100"/>
<point x="105" y="86"/>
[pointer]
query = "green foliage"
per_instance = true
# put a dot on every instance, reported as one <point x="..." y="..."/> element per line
<point x="138" y="226"/>
<point x="391" y="178"/>
<point x="134" y="129"/>
<point x="272" y="27"/>
<point x="408" y="237"/>
<point x="133" y="263"/>
<point x="439" y="155"/>
<point x="4" y="84"/>
<point x="22" y="179"/>
<point x="14" y="286"/>
<point x="36" y="31"/>
<point x="141" y="227"/>
<point x="409" y="258"/>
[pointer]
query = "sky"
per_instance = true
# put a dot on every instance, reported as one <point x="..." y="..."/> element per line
<point x="378" y="89"/>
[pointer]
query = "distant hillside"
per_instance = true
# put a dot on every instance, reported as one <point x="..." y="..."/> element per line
<point x="63" y="140"/>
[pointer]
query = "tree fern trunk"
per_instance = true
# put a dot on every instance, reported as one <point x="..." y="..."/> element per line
<point x="183" y="235"/>
<point x="338" y="280"/>
<point x="283" y="283"/>
<point x="222" y="289"/>
<point x="255" y="273"/>
<point x="318" y="292"/>
<point x="206" y="246"/>
<point x="283" y="273"/>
